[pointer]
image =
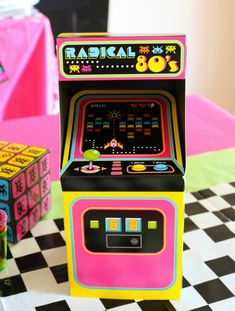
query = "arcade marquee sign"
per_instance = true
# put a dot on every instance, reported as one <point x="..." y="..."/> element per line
<point x="136" y="59"/>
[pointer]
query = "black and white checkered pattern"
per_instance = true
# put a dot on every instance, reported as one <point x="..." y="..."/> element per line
<point x="36" y="273"/>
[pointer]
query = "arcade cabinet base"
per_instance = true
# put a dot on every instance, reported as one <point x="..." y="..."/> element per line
<point x="124" y="244"/>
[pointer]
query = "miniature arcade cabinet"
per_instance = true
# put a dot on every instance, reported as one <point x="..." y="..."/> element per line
<point x="122" y="105"/>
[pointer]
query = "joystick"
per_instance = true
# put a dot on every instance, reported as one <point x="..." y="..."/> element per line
<point x="91" y="155"/>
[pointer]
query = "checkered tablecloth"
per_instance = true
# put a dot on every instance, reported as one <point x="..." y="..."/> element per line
<point x="36" y="273"/>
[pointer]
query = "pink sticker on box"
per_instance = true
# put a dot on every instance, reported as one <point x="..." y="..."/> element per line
<point x="22" y="227"/>
<point x="20" y="207"/>
<point x="18" y="185"/>
<point x="32" y="175"/>
<point x="45" y="205"/>
<point x="45" y="185"/>
<point x="44" y="165"/>
<point x="33" y="196"/>
<point x="34" y="216"/>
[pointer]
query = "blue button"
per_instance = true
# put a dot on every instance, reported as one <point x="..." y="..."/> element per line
<point x="113" y="224"/>
<point x="160" y="167"/>
<point x="133" y="224"/>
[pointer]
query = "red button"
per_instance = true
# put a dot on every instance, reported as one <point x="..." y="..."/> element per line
<point x="116" y="173"/>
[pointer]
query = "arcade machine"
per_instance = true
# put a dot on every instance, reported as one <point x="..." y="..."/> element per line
<point x="122" y="103"/>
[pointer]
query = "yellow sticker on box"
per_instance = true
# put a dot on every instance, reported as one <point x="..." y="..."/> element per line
<point x="94" y="224"/>
<point x="152" y="224"/>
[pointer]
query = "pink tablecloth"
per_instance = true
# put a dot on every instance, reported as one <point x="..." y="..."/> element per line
<point x="208" y="128"/>
<point x="27" y="55"/>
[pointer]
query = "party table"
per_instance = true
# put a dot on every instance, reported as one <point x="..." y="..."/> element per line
<point x="28" y="59"/>
<point x="36" y="273"/>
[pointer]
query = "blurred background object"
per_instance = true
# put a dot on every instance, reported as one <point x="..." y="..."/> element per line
<point x="3" y="76"/>
<point x="209" y="26"/>
<point x="16" y="8"/>
<point x="28" y="59"/>
<point x="28" y="29"/>
<point x="75" y="16"/>
<point x="210" y="30"/>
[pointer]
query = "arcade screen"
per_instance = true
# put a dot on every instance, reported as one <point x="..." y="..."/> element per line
<point x="123" y="126"/>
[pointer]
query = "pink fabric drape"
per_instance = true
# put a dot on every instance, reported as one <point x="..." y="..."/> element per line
<point x="27" y="55"/>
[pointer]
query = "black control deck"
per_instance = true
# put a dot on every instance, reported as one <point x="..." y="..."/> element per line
<point x="123" y="176"/>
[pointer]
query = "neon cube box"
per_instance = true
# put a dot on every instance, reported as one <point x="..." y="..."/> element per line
<point x="24" y="186"/>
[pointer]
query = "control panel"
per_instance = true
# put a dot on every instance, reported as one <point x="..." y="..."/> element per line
<point x="125" y="231"/>
<point x="122" y="167"/>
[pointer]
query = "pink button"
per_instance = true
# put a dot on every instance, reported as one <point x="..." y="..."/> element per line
<point x="116" y="168"/>
<point x="116" y="164"/>
<point x="116" y="173"/>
